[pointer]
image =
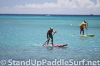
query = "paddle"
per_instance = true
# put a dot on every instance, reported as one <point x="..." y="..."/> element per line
<point x="47" y="39"/>
<point x="87" y="28"/>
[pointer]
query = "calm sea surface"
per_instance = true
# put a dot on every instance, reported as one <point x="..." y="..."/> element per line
<point x="21" y="37"/>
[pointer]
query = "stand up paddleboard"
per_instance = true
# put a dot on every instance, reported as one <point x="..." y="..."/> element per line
<point x="88" y="35"/>
<point x="56" y="45"/>
<point x="91" y="35"/>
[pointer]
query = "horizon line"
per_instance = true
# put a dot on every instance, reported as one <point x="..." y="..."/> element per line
<point x="51" y="14"/>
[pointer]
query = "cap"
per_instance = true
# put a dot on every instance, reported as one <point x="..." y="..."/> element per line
<point x="51" y="27"/>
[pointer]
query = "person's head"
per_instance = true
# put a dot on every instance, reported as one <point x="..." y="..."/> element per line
<point x="84" y="21"/>
<point x="51" y="28"/>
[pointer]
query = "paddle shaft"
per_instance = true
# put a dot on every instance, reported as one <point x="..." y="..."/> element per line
<point x="87" y="28"/>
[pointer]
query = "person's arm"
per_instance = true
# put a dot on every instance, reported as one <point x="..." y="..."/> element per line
<point x="54" y="31"/>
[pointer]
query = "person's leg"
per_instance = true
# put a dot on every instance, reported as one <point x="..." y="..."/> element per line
<point x="80" y="30"/>
<point x="83" y="31"/>
<point x="51" y="36"/>
<point x="52" y="41"/>
<point x="48" y="41"/>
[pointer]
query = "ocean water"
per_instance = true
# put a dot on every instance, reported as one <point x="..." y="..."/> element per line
<point x="21" y="37"/>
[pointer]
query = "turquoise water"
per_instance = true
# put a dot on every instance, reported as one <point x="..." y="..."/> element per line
<point x="21" y="37"/>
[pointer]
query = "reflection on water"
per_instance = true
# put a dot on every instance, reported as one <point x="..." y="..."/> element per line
<point x="49" y="47"/>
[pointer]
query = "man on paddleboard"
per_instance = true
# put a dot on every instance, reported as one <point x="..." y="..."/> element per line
<point x="82" y="25"/>
<point x="49" y="35"/>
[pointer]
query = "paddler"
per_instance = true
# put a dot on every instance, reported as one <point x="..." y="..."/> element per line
<point x="49" y="35"/>
<point x="82" y="25"/>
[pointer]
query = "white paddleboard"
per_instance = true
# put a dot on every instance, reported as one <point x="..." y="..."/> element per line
<point x="88" y="35"/>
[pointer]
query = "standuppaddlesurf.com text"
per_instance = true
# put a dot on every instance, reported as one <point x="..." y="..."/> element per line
<point x="55" y="62"/>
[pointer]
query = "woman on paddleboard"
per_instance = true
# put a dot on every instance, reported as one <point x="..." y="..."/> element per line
<point x="82" y="25"/>
<point x="49" y="35"/>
